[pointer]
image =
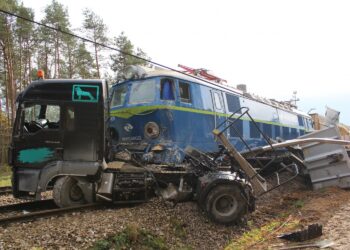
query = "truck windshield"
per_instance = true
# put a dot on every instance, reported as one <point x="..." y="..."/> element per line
<point x="143" y="91"/>
<point x="37" y="117"/>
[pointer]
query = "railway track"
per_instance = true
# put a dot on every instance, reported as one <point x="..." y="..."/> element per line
<point x="5" y="190"/>
<point x="21" y="212"/>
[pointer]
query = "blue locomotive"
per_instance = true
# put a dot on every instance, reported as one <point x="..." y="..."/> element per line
<point x="161" y="112"/>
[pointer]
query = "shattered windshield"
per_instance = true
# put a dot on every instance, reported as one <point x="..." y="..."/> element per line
<point x="143" y="91"/>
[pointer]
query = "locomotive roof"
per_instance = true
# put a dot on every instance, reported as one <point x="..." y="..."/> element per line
<point x="169" y="73"/>
<point x="192" y="79"/>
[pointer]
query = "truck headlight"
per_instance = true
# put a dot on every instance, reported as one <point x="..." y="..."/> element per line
<point x="151" y="130"/>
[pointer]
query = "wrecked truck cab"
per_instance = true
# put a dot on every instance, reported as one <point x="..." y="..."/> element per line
<point x="59" y="131"/>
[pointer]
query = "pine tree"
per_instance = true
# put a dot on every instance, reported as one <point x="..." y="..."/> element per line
<point x="96" y="31"/>
<point x="84" y="62"/>
<point x="7" y="47"/>
<point x="56" y="16"/>
<point x="121" y="60"/>
<point x="25" y="42"/>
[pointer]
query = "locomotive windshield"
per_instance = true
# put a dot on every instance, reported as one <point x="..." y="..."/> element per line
<point x="143" y="91"/>
<point x="119" y="96"/>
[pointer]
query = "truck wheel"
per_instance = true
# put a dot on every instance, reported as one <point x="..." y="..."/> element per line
<point x="225" y="204"/>
<point x="67" y="193"/>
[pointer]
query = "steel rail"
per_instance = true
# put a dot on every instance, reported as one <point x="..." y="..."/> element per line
<point x="5" y="190"/>
<point x="28" y="205"/>
<point x="45" y="213"/>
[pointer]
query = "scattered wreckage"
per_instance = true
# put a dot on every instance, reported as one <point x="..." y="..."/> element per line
<point x="67" y="149"/>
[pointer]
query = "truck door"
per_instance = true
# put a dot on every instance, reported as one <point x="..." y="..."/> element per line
<point x="37" y="138"/>
<point x="82" y="129"/>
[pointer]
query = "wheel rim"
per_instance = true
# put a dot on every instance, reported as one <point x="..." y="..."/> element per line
<point x="76" y="194"/>
<point x="225" y="205"/>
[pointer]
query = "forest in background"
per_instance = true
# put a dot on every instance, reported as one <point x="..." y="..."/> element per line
<point x="26" y="47"/>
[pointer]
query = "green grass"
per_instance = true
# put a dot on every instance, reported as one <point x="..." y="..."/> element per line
<point x="132" y="237"/>
<point x="5" y="176"/>
<point x="178" y="228"/>
<point x="299" y="203"/>
<point x="256" y="235"/>
<point x="5" y="181"/>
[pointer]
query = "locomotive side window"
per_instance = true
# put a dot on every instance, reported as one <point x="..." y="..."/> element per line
<point x="267" y="129"/>
<point x="310" y="124"/>
<point x="233" y="103"/>
<point x="306" y="123"/>
<point x="217" y="101"/>
<point x="167" y="89"/>
<point x="285" y="133"/>
<point x="254" y="132"/>
<point x="119" y="96"/>
<point x="143" y="91"/>
<point x="185" y="94"/>
<point x="237" y="129"/>
<point x="300" y="121"/>
<point x="277" y="131"/>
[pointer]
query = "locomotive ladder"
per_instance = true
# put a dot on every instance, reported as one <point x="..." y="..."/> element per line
<point x="258" y="182"/>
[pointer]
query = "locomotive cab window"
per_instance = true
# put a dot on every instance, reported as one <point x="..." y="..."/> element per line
<point x="143" y="91"/>
<point x="37" y="117"/>
<point x="119" y="96"/>
<point x="167" y="89"/>
<point x="185" y="93"/>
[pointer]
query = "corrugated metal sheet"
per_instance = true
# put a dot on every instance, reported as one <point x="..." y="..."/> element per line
<point x="327" y="164"/>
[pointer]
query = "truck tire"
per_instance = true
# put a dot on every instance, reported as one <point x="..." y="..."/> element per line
<point x="225" y="204"/>
<point x="66" y="192"/>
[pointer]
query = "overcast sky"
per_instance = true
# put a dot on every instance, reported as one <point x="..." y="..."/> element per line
<point x="274" y="47"/>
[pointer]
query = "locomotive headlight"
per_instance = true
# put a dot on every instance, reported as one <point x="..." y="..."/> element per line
<point x="151" y="130"/>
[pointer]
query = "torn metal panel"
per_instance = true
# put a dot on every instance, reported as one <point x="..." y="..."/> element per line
<point x="304" y="141"/>
<point x="311" y="232"/>
<point x="327" y="164"/>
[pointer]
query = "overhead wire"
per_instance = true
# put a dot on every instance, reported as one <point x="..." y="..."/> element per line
<point x="100" y="44"/>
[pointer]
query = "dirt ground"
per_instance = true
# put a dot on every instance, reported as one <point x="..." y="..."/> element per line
<point x="329" y="207"/>
<point x="185" y="227"/>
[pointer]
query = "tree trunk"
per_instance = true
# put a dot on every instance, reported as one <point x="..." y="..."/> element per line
<point x="29" y="79"/>
<point x="20" y="62"/>
<point x="96" y="57"/>
<point x="58" y="55"/>
<point x="97" y="65"/>
<point x="46" y="66"/>
<point x="6" y="92"/>
<point x="11" y="86"/>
